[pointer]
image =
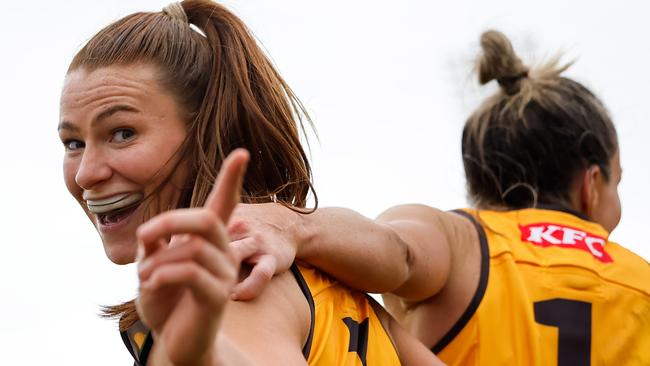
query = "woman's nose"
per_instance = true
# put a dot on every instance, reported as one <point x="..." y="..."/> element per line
<point x="93" y="169"/>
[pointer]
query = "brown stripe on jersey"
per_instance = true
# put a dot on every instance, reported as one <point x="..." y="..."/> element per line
<point x="306" y="349"/>
<point x="480" y="290"/>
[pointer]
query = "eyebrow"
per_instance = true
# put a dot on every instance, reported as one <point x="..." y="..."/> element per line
<point x="112" y="110"/>
<point x="65" y="125"/>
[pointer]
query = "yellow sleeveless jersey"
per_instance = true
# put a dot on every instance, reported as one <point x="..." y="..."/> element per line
<point x="553" y="291"/>
<point x="345" y="330"/>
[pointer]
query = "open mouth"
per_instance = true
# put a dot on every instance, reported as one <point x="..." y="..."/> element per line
<point x="114" y="217"/>
<point x="115" y="209"/>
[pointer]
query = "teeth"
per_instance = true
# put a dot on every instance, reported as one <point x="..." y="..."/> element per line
<point x="113" y="203"/>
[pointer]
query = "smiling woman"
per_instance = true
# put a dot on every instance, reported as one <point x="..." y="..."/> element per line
<point x="150" y="109"/>
<point x="122" y="134"/>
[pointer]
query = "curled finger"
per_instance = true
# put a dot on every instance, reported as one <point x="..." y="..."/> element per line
<point x="205" y="287"/>
<point x="216" y="262"/>
<point x="244" y="249"/>
<point x="196" y="221"/>
<point x="260" y="276"/>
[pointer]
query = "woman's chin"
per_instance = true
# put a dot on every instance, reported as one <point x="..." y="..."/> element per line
<point x="120" y="253"/>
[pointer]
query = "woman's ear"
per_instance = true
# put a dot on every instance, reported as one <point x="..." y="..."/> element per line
<point x="591" y="178"/>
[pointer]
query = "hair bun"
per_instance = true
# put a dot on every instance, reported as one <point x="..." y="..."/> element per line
<point x="499" y="62"/>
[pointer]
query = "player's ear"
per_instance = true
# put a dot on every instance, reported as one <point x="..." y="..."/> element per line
<point x="590" y="180"/>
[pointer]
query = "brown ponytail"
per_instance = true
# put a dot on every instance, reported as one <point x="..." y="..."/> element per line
<point x="231" y="94"/>
<point x="526" y="144"/>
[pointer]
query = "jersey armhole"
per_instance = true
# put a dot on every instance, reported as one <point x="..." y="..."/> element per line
<point x="377" y="308"/>
<point x="141" y="359"/>
<point x="139" y="356"/>
<point x="306" y="349"/>
<point x="480" y="289"/>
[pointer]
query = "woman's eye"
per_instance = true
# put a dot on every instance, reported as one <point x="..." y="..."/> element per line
<point x="73" y="145"/>
<point x="122" y="135"/>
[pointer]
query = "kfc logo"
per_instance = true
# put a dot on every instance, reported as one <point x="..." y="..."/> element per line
<point x="546" y="235"/>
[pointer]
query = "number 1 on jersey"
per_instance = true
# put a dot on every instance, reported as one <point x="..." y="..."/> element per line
<point x="573" y="319"/>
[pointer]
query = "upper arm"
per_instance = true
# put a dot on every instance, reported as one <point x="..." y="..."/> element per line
<point x="428" y="235"/>
<point x="271" y="329"/>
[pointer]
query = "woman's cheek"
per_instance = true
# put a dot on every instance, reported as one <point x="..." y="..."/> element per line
<point x="141" y="163"/>
<point x="70" y="168"/>
<point x="613" y="211"/>
<point x="617" y="213"/>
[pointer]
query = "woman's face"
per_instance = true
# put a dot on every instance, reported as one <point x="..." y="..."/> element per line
<point x="121" y="132"/>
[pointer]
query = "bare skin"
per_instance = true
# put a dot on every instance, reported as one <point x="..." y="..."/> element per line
<point x="121" y="131"/>
<point x="427" y="262"/>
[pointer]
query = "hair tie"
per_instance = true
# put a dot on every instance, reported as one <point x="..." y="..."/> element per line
<point x="175" y="11"/>
<point x="510" y="84"/>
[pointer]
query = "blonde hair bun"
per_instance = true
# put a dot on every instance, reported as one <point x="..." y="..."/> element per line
<point x="498" y="61"/>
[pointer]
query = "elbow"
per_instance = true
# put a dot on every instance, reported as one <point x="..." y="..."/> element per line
<point x="402" y="256"/>
<point x="427" y="272"/>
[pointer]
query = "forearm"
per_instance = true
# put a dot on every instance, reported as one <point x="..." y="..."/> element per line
<point x="363" y="253"/>
<point x="404" y="251"/>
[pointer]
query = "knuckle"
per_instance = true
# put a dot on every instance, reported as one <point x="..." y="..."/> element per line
<point x="231" y="269"/>
<point x="231" y="274"/>
<point x="258" y="237"/>
<point x="192" y="272"/>
<point x="237" y="225"/>
<point x="156" y="278"/>
<point x="207" y="218"/>
<point x="195" y="248"/>
<point x="221" y="295"/>
<point x="265" y="273"/>
<point x="166" y="222"/>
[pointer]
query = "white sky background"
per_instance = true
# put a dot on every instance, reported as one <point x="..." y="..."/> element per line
<point x="388" y="85"/>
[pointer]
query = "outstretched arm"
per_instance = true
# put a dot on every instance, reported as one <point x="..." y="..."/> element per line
<point x="404" y="251"/>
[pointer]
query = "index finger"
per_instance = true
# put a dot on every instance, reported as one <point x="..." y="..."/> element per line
<point x="224" y="196"/>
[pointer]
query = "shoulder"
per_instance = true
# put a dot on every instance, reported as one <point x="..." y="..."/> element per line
<point x="456" y="227"/>
<point x="628" y="269"/>
<point x="282" y="299"/>
<point x="281" y="313"/>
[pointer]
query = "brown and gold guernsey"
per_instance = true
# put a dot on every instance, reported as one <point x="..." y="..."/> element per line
<point x="345" y="328"/>
<point x="553" y="291"/>
<point x="139" y="341"/>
